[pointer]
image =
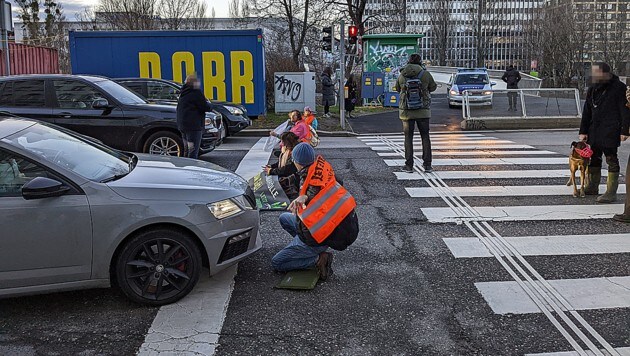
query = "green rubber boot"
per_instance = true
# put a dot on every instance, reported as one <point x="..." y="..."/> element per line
<point x="611" y="189"/>
<point x="594" y="177"/>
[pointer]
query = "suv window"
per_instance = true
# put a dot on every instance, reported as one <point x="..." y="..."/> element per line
<point x="136" y="87"/>
<point x="161" y="91"/>
<point x="23" y="93"/>
<point x="15" y="172"/>
<point x="72" y="94"/>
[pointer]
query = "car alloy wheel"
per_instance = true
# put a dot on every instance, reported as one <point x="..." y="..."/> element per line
<point x="164" y="146"/>
<point x="159" y="267"/>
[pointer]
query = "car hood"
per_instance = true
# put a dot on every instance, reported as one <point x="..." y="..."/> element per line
<point x="462" y="88"/>
<point x="178" y="179"/>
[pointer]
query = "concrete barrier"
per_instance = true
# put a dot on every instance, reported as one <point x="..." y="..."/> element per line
<point x="508" y="123"/>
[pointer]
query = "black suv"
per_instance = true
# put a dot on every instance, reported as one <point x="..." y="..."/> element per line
<point x="167" y="92"/>
<point x="102" y="109"/>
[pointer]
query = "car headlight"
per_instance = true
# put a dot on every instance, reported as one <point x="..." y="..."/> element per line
<point x="224" y="209"/>
<point x="454" y="92"/>
<point x="210" y="120"/>
<point x="243" y="202"/>
<point x="487" y="93"/>
<point x="234" y="110"/>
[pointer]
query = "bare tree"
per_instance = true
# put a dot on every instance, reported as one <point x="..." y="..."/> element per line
<point x="178" y="14"/>
<point x="611" y="28"/>
<point x="483" y="19"/>
<point x="441" y="28"/>
<point x="129" y="14"/>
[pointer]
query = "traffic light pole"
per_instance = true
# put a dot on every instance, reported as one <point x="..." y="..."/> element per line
<point x="342" y="75"/>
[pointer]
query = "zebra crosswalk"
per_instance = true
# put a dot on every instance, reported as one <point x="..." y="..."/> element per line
<point x="468" y="166"/>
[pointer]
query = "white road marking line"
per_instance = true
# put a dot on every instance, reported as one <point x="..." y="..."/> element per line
<point x="483" y="143"/>
<point x="525" y="213"/>
<point x="501" y="191"/>
<point x="486" y="161"/>
<point x="433" y="134"/>
<point x="545" y="173"/>
<point x="477" y="153"/>
<point x="434" y="139"/>
<point x="582" y="294"/>
<point x="193" y="325"/>
<point x="623" y="351"/>
<point x="472" y="247"/>
<point x="418" y="148"/>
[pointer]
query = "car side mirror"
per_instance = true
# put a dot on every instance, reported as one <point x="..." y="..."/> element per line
<point x="100" y="104"/>
<point x="41" y="187"/>
<point x="493" y="83"/>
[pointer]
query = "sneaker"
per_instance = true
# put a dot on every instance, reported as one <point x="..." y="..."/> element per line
<point x="324" y="265"/>
<point x="428" y="169"/>
<point x="407" y="169"/>
<point x="622" y="218"/>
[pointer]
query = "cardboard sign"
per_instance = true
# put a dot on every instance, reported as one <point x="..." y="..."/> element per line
<point x="268" y="192"/>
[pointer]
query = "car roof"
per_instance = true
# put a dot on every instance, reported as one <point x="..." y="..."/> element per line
<point x="89" y="78"/>
<point x="144" y="80"/>
<point x="472" y="71"/>
<point x="10" y="125"/>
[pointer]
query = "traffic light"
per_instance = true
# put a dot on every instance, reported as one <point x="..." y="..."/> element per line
<point x="327" y="33"/>
<point x="353" y="34"/>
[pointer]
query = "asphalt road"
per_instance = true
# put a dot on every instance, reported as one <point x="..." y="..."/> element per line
<point x="400" y="289"/>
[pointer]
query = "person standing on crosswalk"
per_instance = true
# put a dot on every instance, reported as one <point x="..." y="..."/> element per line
<point x="605" y="124"/>
<point x="625" y="217"/>
<point x="415" y="85"/>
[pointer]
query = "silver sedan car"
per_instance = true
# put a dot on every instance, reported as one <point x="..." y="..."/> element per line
<point x="76" y="214"/>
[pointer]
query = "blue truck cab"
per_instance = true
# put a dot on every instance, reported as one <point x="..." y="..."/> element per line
<point x="474" y="80"/>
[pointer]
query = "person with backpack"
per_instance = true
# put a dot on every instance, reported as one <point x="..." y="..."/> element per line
<point x="328" y="91"/>
<point x="511" y="77"/>
<point x="415" y="85"/>
<point x="309" y="117"/>
<point x="323" y="216"/>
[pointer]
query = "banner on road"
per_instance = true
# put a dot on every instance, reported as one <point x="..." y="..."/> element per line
<point x="268" y="192"/>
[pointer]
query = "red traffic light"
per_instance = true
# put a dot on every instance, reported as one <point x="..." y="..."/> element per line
<point x="353" y="31"/>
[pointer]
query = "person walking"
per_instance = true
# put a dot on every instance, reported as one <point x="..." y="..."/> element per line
<point x="605" y="124"/>
<point x="191" y="115"/>
<point x="415" y="85"/>
<point x="322" y="216"/>
<point x="512" y="77"/>
<point x="625" y="216"/>
<point x="328" y="91"/>
<point x="351" y="100"/>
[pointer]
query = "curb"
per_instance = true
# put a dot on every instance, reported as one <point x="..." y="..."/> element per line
<point x="532" y="123"/>
<point x="265" y="132"/>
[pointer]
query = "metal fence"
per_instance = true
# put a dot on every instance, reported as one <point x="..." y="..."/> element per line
<point x="530" y="104"/>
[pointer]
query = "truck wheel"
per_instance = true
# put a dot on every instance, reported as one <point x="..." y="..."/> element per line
<point x="158" y="267"/>
<point x="164" y="143"/>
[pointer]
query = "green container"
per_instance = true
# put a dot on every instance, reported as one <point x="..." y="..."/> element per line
<point x="388" y="53"/>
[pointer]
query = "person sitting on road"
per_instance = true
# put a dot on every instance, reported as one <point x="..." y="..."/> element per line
<point x="309" y="117"/>
<point x="299" y="128"/>
<point x="285" y="166"/>
<point x="322" y="216"/>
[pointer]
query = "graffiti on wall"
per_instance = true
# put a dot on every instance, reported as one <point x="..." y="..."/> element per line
<point x="387" y="58"/>
<point x="287" y="88"/>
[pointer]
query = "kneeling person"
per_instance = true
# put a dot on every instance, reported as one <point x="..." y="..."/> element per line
<point x="322" y="216"/>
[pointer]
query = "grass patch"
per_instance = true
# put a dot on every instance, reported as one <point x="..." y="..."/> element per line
<point x="273" y="120"/>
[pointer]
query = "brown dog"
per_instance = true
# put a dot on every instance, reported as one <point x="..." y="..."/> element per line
<point x="576" y="161"/>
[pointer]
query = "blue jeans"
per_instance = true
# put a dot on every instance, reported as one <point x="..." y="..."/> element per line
<point x="192" y="142"/>
<point x="296" y="255"/>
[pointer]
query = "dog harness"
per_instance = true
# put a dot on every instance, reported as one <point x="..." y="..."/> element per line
<point x="586" y="152"/>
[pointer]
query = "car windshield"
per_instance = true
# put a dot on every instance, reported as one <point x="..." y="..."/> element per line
<point x="88" y="159"/>
<point x="122" y="94"/>
<point x="472" y="79"/>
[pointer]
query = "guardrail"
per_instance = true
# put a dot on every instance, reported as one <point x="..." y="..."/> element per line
<point x="527" y="81"/>
<point x="535" y="108"/>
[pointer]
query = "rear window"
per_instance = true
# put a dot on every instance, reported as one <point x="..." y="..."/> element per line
<point x="23" y="93"/>
<point x="136" y="87"/>
<point x="472" y="79"/>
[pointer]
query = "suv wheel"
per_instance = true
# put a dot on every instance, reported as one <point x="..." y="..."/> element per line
<point x="224" y="129"/>
<point x="164" y="143"/>
<point x="158" y="267"/>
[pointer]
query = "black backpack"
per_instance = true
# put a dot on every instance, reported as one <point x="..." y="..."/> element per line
<point x="415" y="93"/>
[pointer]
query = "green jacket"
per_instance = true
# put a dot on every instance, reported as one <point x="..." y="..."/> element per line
<point x="411" y="70"/>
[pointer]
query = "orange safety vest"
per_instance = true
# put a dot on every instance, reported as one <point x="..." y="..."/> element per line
<point x="309" y="119"/>
<point x="330" y="206"/>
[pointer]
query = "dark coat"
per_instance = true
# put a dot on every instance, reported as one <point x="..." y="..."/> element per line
<point x="605" y="116"/>
<point x="287" y="170"/>
<point x="342" y="237"/>
<point x="191" y="109"/>
<point x="351" y="100"/>
<point x="328" y="89"/>
<point x="511" y="77"/>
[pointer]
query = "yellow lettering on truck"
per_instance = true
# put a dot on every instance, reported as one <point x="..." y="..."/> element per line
<point x="188" y="60"/>
<point x="242" y="78"/>
<point x="214" y="79"/>
<point x="150" y="66"/>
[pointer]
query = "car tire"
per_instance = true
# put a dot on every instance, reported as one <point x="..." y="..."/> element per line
<point x="451" y="106"/>
<point x="226" y="131"/>
<point x="163" y="257"/>
<point x="165" y="143"/>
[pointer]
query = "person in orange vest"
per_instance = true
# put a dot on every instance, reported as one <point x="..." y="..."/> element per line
<point x="323" y="216"/>
<point x="309" y="117"/>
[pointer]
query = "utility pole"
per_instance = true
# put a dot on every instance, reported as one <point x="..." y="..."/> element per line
<point x="342" y="75"/>
<point x="4" y="27"/>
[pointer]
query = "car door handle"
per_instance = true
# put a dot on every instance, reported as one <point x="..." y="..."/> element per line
<point x="65" y="115"/>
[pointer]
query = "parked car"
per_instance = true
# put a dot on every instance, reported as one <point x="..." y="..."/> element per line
<point x="77" y="214"/>
<point x="476" y="81"/>
<point x="102" y="109"/>
<point x="167" y="92"/>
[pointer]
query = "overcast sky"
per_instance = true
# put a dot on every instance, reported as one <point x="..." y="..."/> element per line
<point x="71" y="7"/>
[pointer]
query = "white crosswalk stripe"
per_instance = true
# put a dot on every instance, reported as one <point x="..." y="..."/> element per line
<point x="528" y="292"/>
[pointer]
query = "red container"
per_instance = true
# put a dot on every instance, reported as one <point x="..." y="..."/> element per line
<point x="27" y="59"/>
